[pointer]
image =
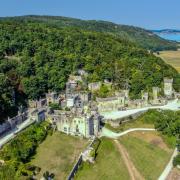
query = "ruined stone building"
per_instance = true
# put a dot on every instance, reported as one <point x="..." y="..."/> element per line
<point x="95" y="86"/>
<point x="111" y="103"/>
<point x="81" y="122"/>
<point x="168" y="87"/>
<point x="52" y="97"/>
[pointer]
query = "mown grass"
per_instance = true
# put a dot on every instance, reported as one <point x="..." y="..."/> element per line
<point x="57" y="154"/>
<point x="147" y="157"/>
<point x="171" y="57"/>
<point x="108" y="165"/>
<point x="137" y="123"/>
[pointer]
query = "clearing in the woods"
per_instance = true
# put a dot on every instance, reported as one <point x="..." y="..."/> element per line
<point x="171" y="57"/>
<point x="58" y="153"/>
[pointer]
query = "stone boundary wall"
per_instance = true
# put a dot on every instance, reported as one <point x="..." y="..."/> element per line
<point x="75" y="168"/>
<point x="10" y="124"/>
<point x="78" y="163"/>
<point x="118" y="121"/>
<point x="5" y="127"/>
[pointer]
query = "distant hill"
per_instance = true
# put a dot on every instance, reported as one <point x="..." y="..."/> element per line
<point x="167" y="31"/>
<point x="143" y="38"/>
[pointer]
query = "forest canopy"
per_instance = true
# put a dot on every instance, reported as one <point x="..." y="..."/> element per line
<point x="35" y="58"/>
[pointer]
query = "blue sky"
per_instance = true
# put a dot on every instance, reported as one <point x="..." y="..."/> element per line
<point x="151" y="14"/>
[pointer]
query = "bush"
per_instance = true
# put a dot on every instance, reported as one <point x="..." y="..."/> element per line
<point x="55" y="106"/>
<point x="176" y="161"/>
<point x="18" y="152"/>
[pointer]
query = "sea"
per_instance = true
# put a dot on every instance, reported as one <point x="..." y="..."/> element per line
<point x="173" y="37"/>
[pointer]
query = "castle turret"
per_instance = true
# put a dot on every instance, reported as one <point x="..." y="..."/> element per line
<point x="168" y="87"/>
<point x="145" y="97"/>
<point x="155" y="93"/>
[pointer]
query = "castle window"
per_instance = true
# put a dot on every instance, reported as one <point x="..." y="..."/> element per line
<point x="77" y="129"/>
<point x="65" y="129"/>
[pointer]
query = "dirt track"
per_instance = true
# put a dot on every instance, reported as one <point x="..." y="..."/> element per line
<point x="133" y="172"/>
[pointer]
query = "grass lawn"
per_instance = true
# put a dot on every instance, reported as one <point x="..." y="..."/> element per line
<point x="108" y="165"/>
<point x="58" y="153"/>
<point x="148" y="152"/>
<point x="171" y="57"/>
<point x="138" y="123"/>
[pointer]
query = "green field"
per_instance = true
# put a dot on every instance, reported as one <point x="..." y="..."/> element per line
<point x="148" y="153"/>
<point x="58" y="153"/>
<point x="108" y="165"/>
<point x="171" y="57"/>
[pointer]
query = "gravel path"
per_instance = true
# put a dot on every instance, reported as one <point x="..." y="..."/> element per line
<point x="108" y="133"/>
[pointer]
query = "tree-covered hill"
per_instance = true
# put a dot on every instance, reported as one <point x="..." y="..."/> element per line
<point x="143" y="38"/>
<point x="35" y="58"/>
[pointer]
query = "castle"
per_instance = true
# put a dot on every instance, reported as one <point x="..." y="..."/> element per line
<point x="79" y="112"/>
<point x="79" y="116"/>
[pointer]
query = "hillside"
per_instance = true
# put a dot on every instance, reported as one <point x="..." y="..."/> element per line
<point x="35" y="58"/>
<point x="143" y="38"/>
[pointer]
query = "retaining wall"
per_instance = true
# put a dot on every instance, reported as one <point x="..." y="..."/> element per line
<point x="12" y="123"/>
<point x="75" y="168"/>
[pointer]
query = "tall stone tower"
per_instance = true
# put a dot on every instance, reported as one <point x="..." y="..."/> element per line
<point x="168" y="87"/>
<point x="155" y="93"/>
<point x="126" y="93"/>
<point x="145" y="97"/>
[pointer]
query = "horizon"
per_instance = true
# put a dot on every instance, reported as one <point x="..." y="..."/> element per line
<point x="152" y="15"/>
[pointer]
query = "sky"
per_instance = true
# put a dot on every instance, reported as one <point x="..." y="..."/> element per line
<point x="149" y="14"/>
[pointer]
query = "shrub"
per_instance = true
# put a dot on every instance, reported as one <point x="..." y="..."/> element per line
<point x="176" y="160"/>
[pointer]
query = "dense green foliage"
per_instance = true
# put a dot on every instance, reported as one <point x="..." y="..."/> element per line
<point x="168" y="122"/>
<point x="18" y="152"/>
<point x="103" y="92"/>
<point x="36" y="58"/>
<point x="55" y="106"/>
<point x="176" y="160"/>
<point x="144" y="38"/>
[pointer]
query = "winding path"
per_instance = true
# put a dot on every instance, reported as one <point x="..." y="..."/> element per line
<point x="108" y="133"/>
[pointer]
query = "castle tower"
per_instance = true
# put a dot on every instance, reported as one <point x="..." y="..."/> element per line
<point x="168" y="87"/>
<point x="126" y="93"/>
<point x="155" y="93"/>
<point x="145" y="97"/>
